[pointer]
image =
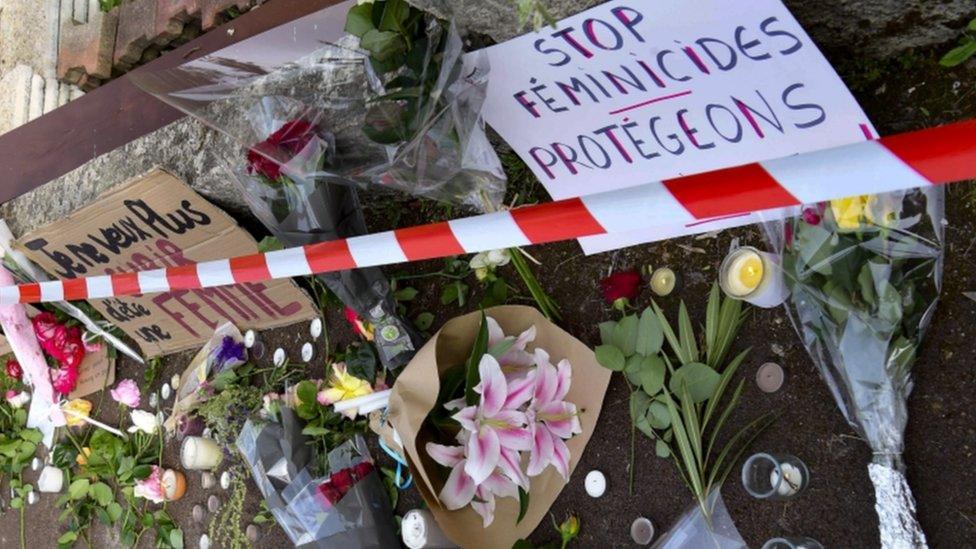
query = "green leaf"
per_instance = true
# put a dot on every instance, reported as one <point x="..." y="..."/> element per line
<point x="406" y="294"/>
<point x="496" y="294"/>
<point x="395" y="14"/>
<point x="114" y="511"/>
<point x="474" y="359"/>
<point x="669" y="334"/>
<point x="176" y="538"/>
<point x="652" y="374"/>
<point x="270" y="244"/>
<point x="639" y="405"/>
<point x="68" y="538"/>
<point x="385" y="123"/>
<point x="650" y="337"/>
<point x="699" y="378"/>
<point x="606" y="332"/>
<point x="661" y="449"/>
<point x="424" y="321"/>
<point x="866" y="282"/>
<point x="972" y="25"/>
<point x="632" y="369"/>
<point x="690" y="415"/>
<point x="523" y="504"/>
<point x="610" y="357"/>
<point x="959" y="55"/>
<point x="658" y="415"/>
<point x="306" y="392"/>
<point x="684" y="447"/>
<point x="101" y="493"/>
<point x="16" y="503"/>
<point x="315" y="431"/>
<point x="382" y="45"/>
<point x="625" y="335"/>
<point x="723" y="382"/>
<point x="359" y="21"/>
<point x="686" y="334"/>
<point x="31" y="435"/>
<point x="78" y="489"/>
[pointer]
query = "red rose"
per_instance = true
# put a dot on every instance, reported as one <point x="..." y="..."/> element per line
<point x="72" y="353"/>
<point x="265" y="158"/>
<point x="330" y="493"/>
<point x="64" y="379"/>
<point x="342" y="480"/>
<point x="811" y="216"/>
<point x="45" y="325"/>
<point x="362" y="470"/>
<point x="14" y="371"/>
<point x="622" y="285"/>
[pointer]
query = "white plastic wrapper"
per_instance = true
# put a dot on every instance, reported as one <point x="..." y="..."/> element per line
<point x="865" y="274"/>
<point x="695" y="530"/>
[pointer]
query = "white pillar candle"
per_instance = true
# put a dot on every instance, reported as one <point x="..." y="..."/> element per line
<point x="792" y="479"/>
<point x="753" y="276"/>
<point x="419" y="531"/>
<point x="51" y="480"/>
<point x="200" y="453"/>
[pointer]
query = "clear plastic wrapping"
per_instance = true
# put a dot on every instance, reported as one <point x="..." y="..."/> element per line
<point x="348" y="507"/>
<point x="695" y="529"/>
<point x="865" y="274"/>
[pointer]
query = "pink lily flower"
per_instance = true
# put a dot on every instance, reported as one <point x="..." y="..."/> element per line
<point x="494" y="423"/>
<point x="552" y="419"/>
<point x="516" y="360"/>
<point x="460" y="489"/>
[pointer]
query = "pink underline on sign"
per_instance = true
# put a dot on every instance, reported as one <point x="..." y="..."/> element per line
<point x="723" y="218"/>
<point x="649" y="101"/>
<point x="866" y="131"/>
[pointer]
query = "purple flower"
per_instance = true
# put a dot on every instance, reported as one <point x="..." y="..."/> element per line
<point x="230" y="353"/>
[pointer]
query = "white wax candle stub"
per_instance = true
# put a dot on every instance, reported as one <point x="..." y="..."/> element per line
<point x="175" y="381"/>
<point x="31" y="497"/>
<point x="204" y="541"/>
<point x="35" y="463"/>
<point x="165" y="391"/>
<point x="595" y="483"/>
<point x="279" y="357"/>
<point x="663" y="281"/>
<point x="315" y="328"/>
<point x="744" y="273"/>
<point x="642" y="531"/>
<point x="770" y="377"/>
<point x="207" y="480"/>
<point x="418" y="530"/>
<point x="307" y="352"/>
<point x="200" y="453"/>
<point x="225" y="479"/>
<point x="249" y="338"/>
<point x="792" y="479"/>
<point x="51" y="479"/>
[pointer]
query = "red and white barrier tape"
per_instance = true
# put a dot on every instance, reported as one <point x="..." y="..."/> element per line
<point x="934" y="156"/>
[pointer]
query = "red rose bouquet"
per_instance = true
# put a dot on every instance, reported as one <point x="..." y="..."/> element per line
<point x="63" y="346"/>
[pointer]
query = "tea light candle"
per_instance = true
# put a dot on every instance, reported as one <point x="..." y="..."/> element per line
<point x="174" y="484"/>
<point x="200" y="453"/>
<point x="595" y="484"/>
<point x="770" y="377"/>
<point x="642" y="531"/>
<point x="250" y="338"/>
<point x="754" y="277"/>
<point x="51" y="480"/>
<point x="419" y="531"/>
<point x="307" y="352"/>
<point x="315" y="328"/>
<point x="279" y="357"/>
<point x="791" y="482"/>
<point x="663" y="281"/>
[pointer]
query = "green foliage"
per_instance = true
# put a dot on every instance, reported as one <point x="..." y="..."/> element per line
<point x="676" y="396"/>
<point x="108" y="5"/>
<point x="226" y="527"/>
<point x="534" y="13"/>
<point x="226" y="412"/>
<point x="965" y="50"/>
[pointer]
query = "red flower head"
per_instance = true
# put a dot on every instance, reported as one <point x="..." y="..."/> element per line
<point x="265" y="158"/>
<point x="342" y="480"/>
<point x="64" y="379"/>
<point x="14" y="371"/>
<point x="811" y="216"/>
<point x="72" y="353"/>
<point x="329" y="493"/>
<point x="621" y="285"/>
<point x="362" y="470"/>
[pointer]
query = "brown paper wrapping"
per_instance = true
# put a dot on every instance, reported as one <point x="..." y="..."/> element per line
<point x="415" y="394"/>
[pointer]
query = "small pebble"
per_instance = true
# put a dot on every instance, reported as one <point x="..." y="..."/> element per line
<point x="595" y="483"/>
<point x="250" y="337"/>
<point x="31" y="497"/>
<point x="160" y="417"/>
<point x="175" y="381"/>
<point x="207" y="481"/>
<point x="204" y="541"/>
<point x="279" y="357"/>
<point x="252" y="533"/>
<point x="206" y="432"/>
<point x="165" y="391"/>
<point x="153" y="400"/>
<point x="642" y="531"/>
<point x="307" y="352"/>
<point x="213" y="504"/>
<point x="225" y="479"/>
<point x="198" y="513"/>
<point x="35" y="463"/>
<point x="315" y="328"/>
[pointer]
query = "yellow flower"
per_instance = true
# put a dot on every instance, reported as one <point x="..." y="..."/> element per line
<point x="848" y="212"/>
<point x="343" y="386"/>
<point x="82" y="458"/>
<point x="75" y="411"/>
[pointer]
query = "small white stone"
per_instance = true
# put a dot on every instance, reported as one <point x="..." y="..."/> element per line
<point x="165" y="391"/>
<point x="153" y="400"/>
<point x="175" y="381"/>
<point x="252" y="533"/>
<point x="198" y="513"/>
<point x="225" y="479"/>
<point x="207" y="431"/>
<point x="595" y="483"/>
<point x="213" y="504"/>
<point x="250" y="337"/>
<point x="207" y="480"/>
<point x="279" y="357"/>
<point x="31" y="497"/>
<point x="160" y="417"/>
<point x="35" y="463"/>
<point x="307" y="352"/>
<point x="315" y="328"/>
<point x="204" y="541"/>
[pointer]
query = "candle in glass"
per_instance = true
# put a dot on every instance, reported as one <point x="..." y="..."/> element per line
<point x="792" y="543"/>
<point x="200" y="453"/>
<point x="774" y="476"/>
<point x="753" y="276"/>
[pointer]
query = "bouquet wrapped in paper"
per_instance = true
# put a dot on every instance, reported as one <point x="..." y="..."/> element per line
<point x="492" y="415"/>
<point x="865" y="274"/>
<point x="347" y="506"/>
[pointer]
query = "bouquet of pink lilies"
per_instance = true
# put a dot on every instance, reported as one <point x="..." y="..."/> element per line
<point x="513" y="406"/>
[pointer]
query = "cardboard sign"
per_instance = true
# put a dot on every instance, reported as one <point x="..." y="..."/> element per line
<point x="156" y="221"/>
<point x="629" y="92"/>
<point x="97" y="371"/>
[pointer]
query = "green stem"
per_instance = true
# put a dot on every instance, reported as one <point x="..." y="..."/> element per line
<point x="23" y="542"/>
<point x="633" y="454"/>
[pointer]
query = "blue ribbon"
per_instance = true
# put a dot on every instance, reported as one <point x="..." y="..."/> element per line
<point x="401" y="463"/>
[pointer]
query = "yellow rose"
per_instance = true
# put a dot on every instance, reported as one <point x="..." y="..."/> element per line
<point x="848" y="212"/>
<point x="75" y="411"/>
<point x="82" y="458"/>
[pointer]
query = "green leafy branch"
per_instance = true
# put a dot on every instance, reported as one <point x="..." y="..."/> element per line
<point x="966" y="48"/>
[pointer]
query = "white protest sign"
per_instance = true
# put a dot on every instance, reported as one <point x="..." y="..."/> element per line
<point x="631" y="92"/>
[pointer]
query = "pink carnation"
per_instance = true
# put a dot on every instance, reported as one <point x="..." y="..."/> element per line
<point x="126" y="392"/>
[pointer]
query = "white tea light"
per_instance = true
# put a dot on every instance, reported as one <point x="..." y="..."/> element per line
<point x="595" y="484"/>
<point x="165" y="391"/>
<point x="642" y="531"/>
<point x="213" y="504"/>
<point x="204" y="541"/>
<point x="250" y="337"/>
<point x="279" y="357"/>
<point x="315" y="328"/>
<point x="31" y="497"/>
<point x="663" y="281"/>
<point x="35" y="463"/>
<point x="307" y="352"/>
<point x="770" y="377"/>
<point x="207" y="480"/>
<point x="418" y="530"/>
<point x="51" y="480"/>
<point x="792" y="479"/>
<point x="175" y="381"/>
<point x="225" y="479"/>
<point x="153" y="400"/>
<point x="753" y="276"/>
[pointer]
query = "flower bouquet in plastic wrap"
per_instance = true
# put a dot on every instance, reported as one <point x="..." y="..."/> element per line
<point x="492" y="415"/>
<point x="865" y="274"/>
<point x="345" y="506"/>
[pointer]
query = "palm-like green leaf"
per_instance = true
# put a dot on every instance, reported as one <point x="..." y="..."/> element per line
<point x="683" y="443"/>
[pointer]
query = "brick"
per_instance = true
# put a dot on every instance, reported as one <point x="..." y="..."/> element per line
<point x="136" y="31"/>
<point x="207" y="11"/>
<point x="85" y="50"/>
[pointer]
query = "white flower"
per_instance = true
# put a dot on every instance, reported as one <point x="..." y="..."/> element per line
<point x="143" y="421"/>
<point x="486" y="262"/>
<point x="19" y="400"/>
<point x="361" y="2"/>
